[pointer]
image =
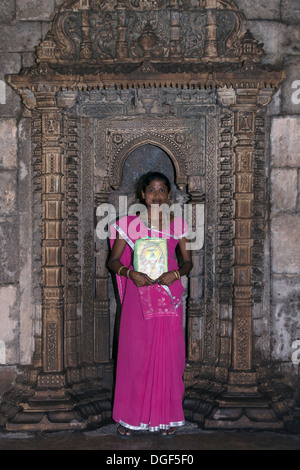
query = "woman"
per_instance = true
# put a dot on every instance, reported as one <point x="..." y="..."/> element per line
<point x="151" y="354"/>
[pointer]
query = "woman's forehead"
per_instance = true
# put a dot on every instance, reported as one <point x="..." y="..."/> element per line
<point x="157" y="182"/>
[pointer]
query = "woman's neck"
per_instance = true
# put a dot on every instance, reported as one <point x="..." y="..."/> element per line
<point x="158" y="219"/>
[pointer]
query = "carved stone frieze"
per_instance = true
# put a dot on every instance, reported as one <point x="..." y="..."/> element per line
<point x="133" y="30"/>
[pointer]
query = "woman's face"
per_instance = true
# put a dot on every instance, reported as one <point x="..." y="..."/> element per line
<point x="156" y="193"/>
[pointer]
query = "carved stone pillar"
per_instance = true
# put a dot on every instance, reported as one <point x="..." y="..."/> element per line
<point x="244" y="104"/>
<point x="101" y="305"/>
<point x="122" y="46"/>
<point x="195" y="313"/>
<point x="242" y="373"/>
<point x="243" y="403"/>
<point x="85" y="48"/>
<point x="53" y="233"/>
<point x="175" y="34"/>
<point x="210" y="48"/>
<point x="50" y="399"/>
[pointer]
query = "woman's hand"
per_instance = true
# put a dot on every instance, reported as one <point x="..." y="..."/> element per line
<point x="140" y="279"/>
<point x="167" y="279"/>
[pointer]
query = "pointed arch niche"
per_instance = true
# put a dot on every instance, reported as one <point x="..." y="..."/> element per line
<point x="112" y="77"/>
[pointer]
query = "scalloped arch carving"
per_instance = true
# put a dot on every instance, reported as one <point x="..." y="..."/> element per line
<point x="154" y="138"/>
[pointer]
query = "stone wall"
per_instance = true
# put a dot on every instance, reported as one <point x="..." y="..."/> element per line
<point x="276" y="23"/>
<point x="23" y="23"/>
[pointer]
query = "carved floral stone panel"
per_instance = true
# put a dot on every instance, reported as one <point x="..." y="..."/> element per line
<point x="94" y="32"/>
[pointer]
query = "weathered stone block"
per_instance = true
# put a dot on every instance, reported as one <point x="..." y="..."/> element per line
<point x="8" y="193"/>
<point x="291" y="87"/>
<point x="19" y="37"/>
<point x="285" y="321"/>
<point x="34" y="10"/>
<point x="284" y="189"/>
<point x="290" y="11"/>
<point x="260" y="9"/>
<point x="7" y="377"/>
<point x="10" y="63"/>
<point x="8" y="144"/>
<point x="8" y="252"/>
<point x="9" y="323"/>
<point x="279" y="39"/>
<point x="9" y="100"/>
<point x="285" y="239"/>
<point x="7" y="11"/>
<point x="12" y="103"/>
<point x="28" y="59"/>
<point x="285" y="288"/>
<point x="285" y="143"/>
<point x="275" y="105"/>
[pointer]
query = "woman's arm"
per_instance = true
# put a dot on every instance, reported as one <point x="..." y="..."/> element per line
<point x="168" y="278"/>
<point x="118" y="248"/>
<point x="115" y="265"/>
<point x="187" y="264"/>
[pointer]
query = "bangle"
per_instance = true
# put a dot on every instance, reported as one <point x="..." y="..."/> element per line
<point x="177" y="274"/>
<point x="120" y="269"/>
<point x="128" y="273"/>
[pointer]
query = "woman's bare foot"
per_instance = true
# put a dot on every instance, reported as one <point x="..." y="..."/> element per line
<point x="124" y="433"/>
<point x="169" y="433"/>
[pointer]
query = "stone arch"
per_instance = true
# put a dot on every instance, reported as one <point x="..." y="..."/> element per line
<point x="154" y="138"/>
<point x="131" y="170"/>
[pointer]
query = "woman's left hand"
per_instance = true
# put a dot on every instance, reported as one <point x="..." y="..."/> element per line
<point x="167" y="279"/>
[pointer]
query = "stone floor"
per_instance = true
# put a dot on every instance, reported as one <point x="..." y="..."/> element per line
<point x="188" y="438"/>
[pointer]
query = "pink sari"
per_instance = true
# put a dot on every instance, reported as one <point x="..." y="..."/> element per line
<point x="151" y="355"/>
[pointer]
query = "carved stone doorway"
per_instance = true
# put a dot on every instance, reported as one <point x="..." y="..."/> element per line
<point x="201" y="99"/>
<point x="145" y="158"/>
<point x="132" y="146"/>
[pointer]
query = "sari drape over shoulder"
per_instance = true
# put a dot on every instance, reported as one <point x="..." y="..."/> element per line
<point x="151" y="354"/>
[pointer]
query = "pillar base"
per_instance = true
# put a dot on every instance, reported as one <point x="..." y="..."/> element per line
<point x="50" y="411"/>
<point x="50" y="405"/>
<point x="240" y="405"/>
<point x="244" y="412"/>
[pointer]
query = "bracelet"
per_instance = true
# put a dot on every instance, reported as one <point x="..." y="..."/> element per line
<point x="177" y="274"/>
<point x="120" y="269"/>
<point x="128" y="273"/>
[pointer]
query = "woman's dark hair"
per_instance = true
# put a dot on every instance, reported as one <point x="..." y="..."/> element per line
<point x="146" y="179"/>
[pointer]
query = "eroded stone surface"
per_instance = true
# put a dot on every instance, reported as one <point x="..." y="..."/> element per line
<point x="285" y="143"/>
<point x="284" y="189"/>
<point x="34" y="10"/>
<point x="8" y="144"/>
<point x="285" y="236"/>
<point x="9" y="322"/>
